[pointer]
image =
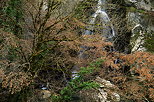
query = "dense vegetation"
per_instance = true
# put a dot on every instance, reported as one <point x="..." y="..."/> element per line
<point x="40" y="47"/>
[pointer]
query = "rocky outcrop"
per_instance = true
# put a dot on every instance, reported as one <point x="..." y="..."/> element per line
<point x="140" y="22"/>
<point x="105" y="93"/>
<point x="134" y="23"/>
<point x="142" y="4"/>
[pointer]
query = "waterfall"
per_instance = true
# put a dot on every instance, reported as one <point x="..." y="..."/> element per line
<point x="107" y="30"/>
<point x="107" y="27"/>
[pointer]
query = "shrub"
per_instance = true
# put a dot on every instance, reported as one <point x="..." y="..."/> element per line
<point x="13" y="17"/>
<point x="80" y="82"/>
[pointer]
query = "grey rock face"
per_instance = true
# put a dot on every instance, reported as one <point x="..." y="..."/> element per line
<point x="137" y="18"/>
<point x="142" y="4"/>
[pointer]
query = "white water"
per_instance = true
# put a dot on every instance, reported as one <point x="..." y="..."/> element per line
<point x="108" y="29"/>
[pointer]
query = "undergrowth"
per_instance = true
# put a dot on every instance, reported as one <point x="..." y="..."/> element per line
<point x="80" y="82"/>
